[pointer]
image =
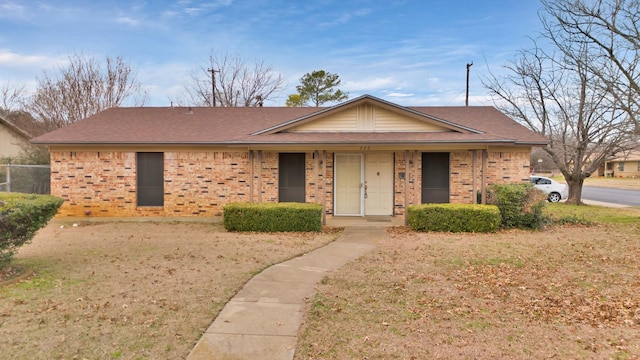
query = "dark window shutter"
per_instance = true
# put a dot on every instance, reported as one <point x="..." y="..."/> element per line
<point x="150" y="178"/>
<point x="435" y="178"/>
<point x="291" y="177"/>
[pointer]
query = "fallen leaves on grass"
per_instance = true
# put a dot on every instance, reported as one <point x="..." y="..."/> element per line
<point x="131" y="290"/>
<point x="568" y="292"/>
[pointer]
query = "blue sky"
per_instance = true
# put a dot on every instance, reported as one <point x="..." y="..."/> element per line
<point x="412" y="52"/>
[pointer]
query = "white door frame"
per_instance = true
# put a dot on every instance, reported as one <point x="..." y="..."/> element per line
<point x="362" y="180"/>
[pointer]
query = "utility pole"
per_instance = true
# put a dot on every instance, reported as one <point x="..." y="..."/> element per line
<point x="466" y="101"/>
<point x="213" y="85"/>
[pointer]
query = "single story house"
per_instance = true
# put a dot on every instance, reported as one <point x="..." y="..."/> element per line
<point x="624" y="165"/>
<point x="362" y="157"/>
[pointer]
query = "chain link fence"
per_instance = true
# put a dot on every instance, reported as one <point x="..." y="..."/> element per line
<point x="31" y="179"/>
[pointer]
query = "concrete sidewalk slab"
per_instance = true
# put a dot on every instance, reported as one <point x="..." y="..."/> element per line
<point x="245" y="347"/>
<point x="239" y="317"/>
<point x="263" y="319"/>
<point x="292" y="274"/>
<point x="275" y="291"/>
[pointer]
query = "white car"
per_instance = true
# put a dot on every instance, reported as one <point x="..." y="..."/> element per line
<point x="555" y="190"/>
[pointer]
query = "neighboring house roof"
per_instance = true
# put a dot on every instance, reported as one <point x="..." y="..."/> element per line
<point x="9" y="124"/>
<point x="291" y="125"/>
<point x="631" y="155"/>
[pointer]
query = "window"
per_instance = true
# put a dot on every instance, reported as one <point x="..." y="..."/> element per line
<point x="291" y="177"/>
<point x="540" y="181"/>
<point x="150" y="178"/>
<point x="621" y="166"/>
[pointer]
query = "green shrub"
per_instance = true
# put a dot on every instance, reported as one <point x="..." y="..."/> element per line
<point x="521" y="205"/>
<point x="454" y="217"/>
<point x="21" y="216"/>
<point x="270" y="217"/>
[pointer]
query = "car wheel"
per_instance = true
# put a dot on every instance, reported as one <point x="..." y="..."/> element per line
<point x="554" y="197"/>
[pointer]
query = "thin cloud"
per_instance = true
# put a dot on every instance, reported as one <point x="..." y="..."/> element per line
<point x="371" y="84"/>
<point x="10" y="58"/>
<point x="398" y="94"/>
<point x="345" y="18"/>
<point x="193" y="10"/>
<point x="127" y="21"/>
<point x="9" y="9"/>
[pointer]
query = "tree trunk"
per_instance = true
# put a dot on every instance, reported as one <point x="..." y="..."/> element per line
<point x="575" y="190"/>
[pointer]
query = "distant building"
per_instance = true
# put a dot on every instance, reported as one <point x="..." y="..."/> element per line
<point x="624" y="165"/>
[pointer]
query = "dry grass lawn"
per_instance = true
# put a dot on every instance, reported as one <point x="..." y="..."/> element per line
<point x="564" y="293"/>
<point x="619" y="183"/>
<point x="147" y="290"/>
<point x="128" y="290"/>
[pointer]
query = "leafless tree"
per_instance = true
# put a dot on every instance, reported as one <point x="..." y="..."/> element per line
<point x="557" y="96"/>
<point x="11" y="96"/>
<point x="236" y="83"/>
<point x="82" y="88"/>
<point x="610" y="30"/>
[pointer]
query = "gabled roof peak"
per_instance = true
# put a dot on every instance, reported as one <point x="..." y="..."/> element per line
<point x="367" y="99"/>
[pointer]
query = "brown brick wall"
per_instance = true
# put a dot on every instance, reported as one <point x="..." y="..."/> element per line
<point x="502" y="167"/>
<point x="99" y="183"/>
<point x="200" y="183"/>
<point x="195" y="182"/>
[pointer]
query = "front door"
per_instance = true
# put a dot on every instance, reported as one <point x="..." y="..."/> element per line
<point x="378" y="184"/>
<point x="363" y="184"/>
<point x="349" y="184"/>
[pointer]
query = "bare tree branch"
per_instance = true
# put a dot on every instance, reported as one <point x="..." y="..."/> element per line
<point x="236" y="83"/>
<point x="83" y="88"/>
<point x="558" y="96"/>
<point x="610" y="29"/>
<point x="12" y="96"/>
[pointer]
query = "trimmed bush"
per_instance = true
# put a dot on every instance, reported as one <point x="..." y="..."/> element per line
<point x="454" y="217"/>
<point x="270" y="217"/>
<point x="520" y="205"/>
<point x="21" y="216"/>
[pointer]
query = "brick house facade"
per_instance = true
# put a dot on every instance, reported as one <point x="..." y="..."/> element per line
<point x="374" y="167"/>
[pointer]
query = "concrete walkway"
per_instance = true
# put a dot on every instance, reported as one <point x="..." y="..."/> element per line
<point x="262" y="320"/>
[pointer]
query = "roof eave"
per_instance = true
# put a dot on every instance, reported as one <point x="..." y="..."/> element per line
<point x="382" y="142"/>
<point x="272" y="143"/>
<point x="16" y="129"/>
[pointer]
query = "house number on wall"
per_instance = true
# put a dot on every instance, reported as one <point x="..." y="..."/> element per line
<point x="365" y="148"/>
